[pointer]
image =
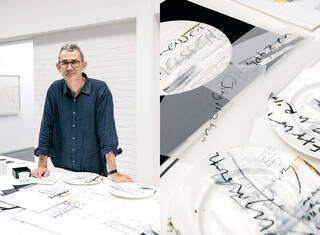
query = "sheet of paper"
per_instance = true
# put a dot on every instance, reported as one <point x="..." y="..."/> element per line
<point x="97" y="210"/>
<point x="4" y="205"/>
<point x="50" y="180"/>
<point x="5" y="183"/>
<point x="304" y="13"/>
<point x="41" y="197"/>
<point x="45" y="180"/>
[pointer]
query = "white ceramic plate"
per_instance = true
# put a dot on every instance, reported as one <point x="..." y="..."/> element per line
<point x="295" y="113"/>
<point x="191" y="54"/>
<point x="247" y="190"/>
<point x="131" y="190"/>
<point x="82" y="178"/>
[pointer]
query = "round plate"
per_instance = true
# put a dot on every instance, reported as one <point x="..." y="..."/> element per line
<point x="131" y="190"/>
<point x="295" y="114"/>
<point x="247" y="190"/>
<point x="307" y="102"/>
<point x="191" y="54"/>
<point x="82" y="178"/>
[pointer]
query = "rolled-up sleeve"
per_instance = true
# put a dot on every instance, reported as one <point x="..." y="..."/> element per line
<point x="45" y="136"/>
<point x="106" y="128"/>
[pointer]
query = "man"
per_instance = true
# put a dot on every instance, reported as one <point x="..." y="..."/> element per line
<point x="77" y="129"/>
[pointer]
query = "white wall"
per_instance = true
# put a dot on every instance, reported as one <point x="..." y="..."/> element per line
<point x="17" y="130"/>
<point x="111" y="55"/>
<point x="27" y="18"/>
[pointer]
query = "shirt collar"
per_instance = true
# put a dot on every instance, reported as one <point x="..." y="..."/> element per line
<point x="87" y="85"/>
<point x="85" y="89"/>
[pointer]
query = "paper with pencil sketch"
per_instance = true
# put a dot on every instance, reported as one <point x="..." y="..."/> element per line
<point x="41" y="197"/>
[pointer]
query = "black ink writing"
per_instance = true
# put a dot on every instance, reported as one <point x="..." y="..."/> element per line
<point x="226" y="87"/>
<point x="265" y="207"/>
<point x="303" y="137"/>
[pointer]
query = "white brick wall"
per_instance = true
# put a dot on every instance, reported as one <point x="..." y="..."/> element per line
<point x="110" y="50"/>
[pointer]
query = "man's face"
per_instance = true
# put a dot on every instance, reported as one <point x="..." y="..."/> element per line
<point x="70" y="65"/>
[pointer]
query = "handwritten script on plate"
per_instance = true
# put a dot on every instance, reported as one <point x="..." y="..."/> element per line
<point x="305" y="129"/>
<point x="261" y="189"/>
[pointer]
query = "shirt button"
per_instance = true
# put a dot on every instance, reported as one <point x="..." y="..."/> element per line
<point x="74" y="113"/>
<point x="73" y="125"/>
<point x="74" y="100"/>
<point x="73" y="150"/>
<point x="73" y="138"/>
<point x="74" y="161"/>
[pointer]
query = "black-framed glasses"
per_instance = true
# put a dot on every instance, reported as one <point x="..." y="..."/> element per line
<point x="73" y="63"/>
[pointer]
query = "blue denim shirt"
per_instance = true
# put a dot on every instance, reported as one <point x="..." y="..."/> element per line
<point x="77" y="132"/>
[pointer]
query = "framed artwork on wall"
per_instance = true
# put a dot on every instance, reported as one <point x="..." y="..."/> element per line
<point x="10" y="94"/>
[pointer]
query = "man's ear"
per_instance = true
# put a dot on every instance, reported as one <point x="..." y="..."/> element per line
<point x="58" y="67"/>
<point x="84" y="65"/>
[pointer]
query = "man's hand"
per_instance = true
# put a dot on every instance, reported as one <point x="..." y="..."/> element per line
<point x="117" y="177"/>
<point x="40" y="171"/>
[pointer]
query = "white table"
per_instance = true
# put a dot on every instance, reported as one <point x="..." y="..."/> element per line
<point x="142" y="211"/>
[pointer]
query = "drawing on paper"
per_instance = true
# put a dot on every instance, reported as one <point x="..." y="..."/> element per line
<point x="83" y="178"/>
<point x="54" y="192"/>
<point x="65" y="208"/>
<point x="10" y="94"/>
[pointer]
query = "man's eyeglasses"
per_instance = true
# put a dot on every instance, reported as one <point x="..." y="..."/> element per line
<point x="73" y="63"/>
